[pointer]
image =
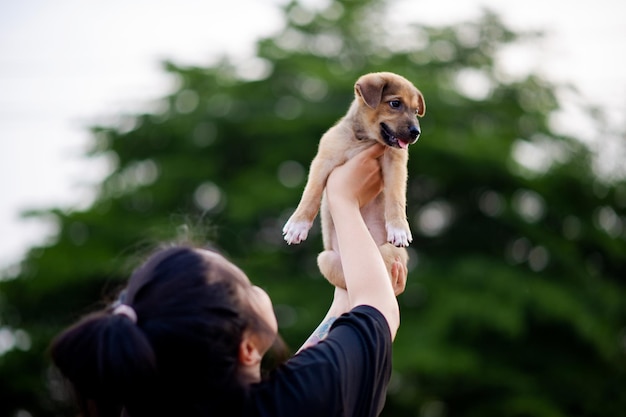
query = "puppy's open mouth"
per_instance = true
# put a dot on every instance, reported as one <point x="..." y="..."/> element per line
<point x="392" y="140"/>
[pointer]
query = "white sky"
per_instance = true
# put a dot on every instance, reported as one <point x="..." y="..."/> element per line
<point x="67" y="63"/>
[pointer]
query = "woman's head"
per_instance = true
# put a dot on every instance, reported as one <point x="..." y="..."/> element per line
<point x="196" y="314"/>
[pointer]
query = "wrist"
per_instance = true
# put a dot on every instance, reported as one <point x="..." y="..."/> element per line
<point x="339" y="202"/>
<point x="341" y="302"/>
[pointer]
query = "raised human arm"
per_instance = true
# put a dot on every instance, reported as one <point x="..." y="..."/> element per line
<point x="350" y="187"/>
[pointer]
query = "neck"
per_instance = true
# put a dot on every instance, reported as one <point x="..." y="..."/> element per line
<point x="250" y="374"/>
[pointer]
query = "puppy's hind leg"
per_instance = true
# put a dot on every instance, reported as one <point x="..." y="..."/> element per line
<point x="329" y="265"/>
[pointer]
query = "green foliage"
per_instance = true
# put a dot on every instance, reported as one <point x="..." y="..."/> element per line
<point x="514" y="305"/>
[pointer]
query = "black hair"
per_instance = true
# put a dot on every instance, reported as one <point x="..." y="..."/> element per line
<point x="179" y="358"/>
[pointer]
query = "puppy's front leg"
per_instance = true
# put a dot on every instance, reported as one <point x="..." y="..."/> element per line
<point x="395" y="172"/>
<point x="297" y="227"/>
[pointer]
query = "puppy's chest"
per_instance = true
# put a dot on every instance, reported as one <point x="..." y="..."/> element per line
<point x="348" y="145"/>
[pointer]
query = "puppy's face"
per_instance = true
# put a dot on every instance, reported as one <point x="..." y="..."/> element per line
<point x="389" y="106"/>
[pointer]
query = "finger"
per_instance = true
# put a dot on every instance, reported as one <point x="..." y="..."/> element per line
<point x="399" y="274"/>
<point x="400" y="286"/>
<point x="395" y="271"/>
<point x="374" y="151"/>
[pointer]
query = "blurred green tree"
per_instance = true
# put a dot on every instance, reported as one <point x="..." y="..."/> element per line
<point x="515" y="301"/>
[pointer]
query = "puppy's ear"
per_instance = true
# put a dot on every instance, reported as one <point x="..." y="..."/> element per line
<point x="421" y="104"/>
<point x="370" y="88"/>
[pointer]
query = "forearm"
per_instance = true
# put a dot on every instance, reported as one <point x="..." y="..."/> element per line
<point x="366" y="276"/>
<point x="339" y="305"/>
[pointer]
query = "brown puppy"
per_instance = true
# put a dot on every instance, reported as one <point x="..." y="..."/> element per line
<point x="384" y="110"/>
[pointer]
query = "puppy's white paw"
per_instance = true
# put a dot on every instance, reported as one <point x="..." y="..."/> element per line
<point x="398" y="236"/>
<point x="296" y="231"/>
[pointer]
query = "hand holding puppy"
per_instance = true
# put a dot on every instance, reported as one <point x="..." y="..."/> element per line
<point x="359" y="180"/>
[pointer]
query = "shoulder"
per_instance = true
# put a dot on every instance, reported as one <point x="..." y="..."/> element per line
<point x="364" y="314"/>
<point x="361" y="338"/>
<point x="367" y="321"/>
<point x="349" y="370"/>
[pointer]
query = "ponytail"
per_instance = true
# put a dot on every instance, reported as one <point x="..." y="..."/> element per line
<point x="110" y="363"/>
<point x="179" y="309"/>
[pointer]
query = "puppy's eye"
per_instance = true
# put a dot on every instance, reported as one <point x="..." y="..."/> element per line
<point x="395" y="104"/>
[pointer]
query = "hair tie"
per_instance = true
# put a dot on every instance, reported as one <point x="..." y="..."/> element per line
<point x="126" y="310"/>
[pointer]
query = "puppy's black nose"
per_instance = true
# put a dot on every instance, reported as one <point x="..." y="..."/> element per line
<point x="414" y="131"/>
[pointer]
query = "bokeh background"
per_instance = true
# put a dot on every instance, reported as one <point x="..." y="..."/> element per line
<point x="517" y="200"/>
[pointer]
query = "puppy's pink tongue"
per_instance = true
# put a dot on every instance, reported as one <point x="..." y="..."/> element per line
<point x="403" y="144"/>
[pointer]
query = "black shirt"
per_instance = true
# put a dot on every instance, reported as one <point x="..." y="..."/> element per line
<point x="345" y="375"/>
